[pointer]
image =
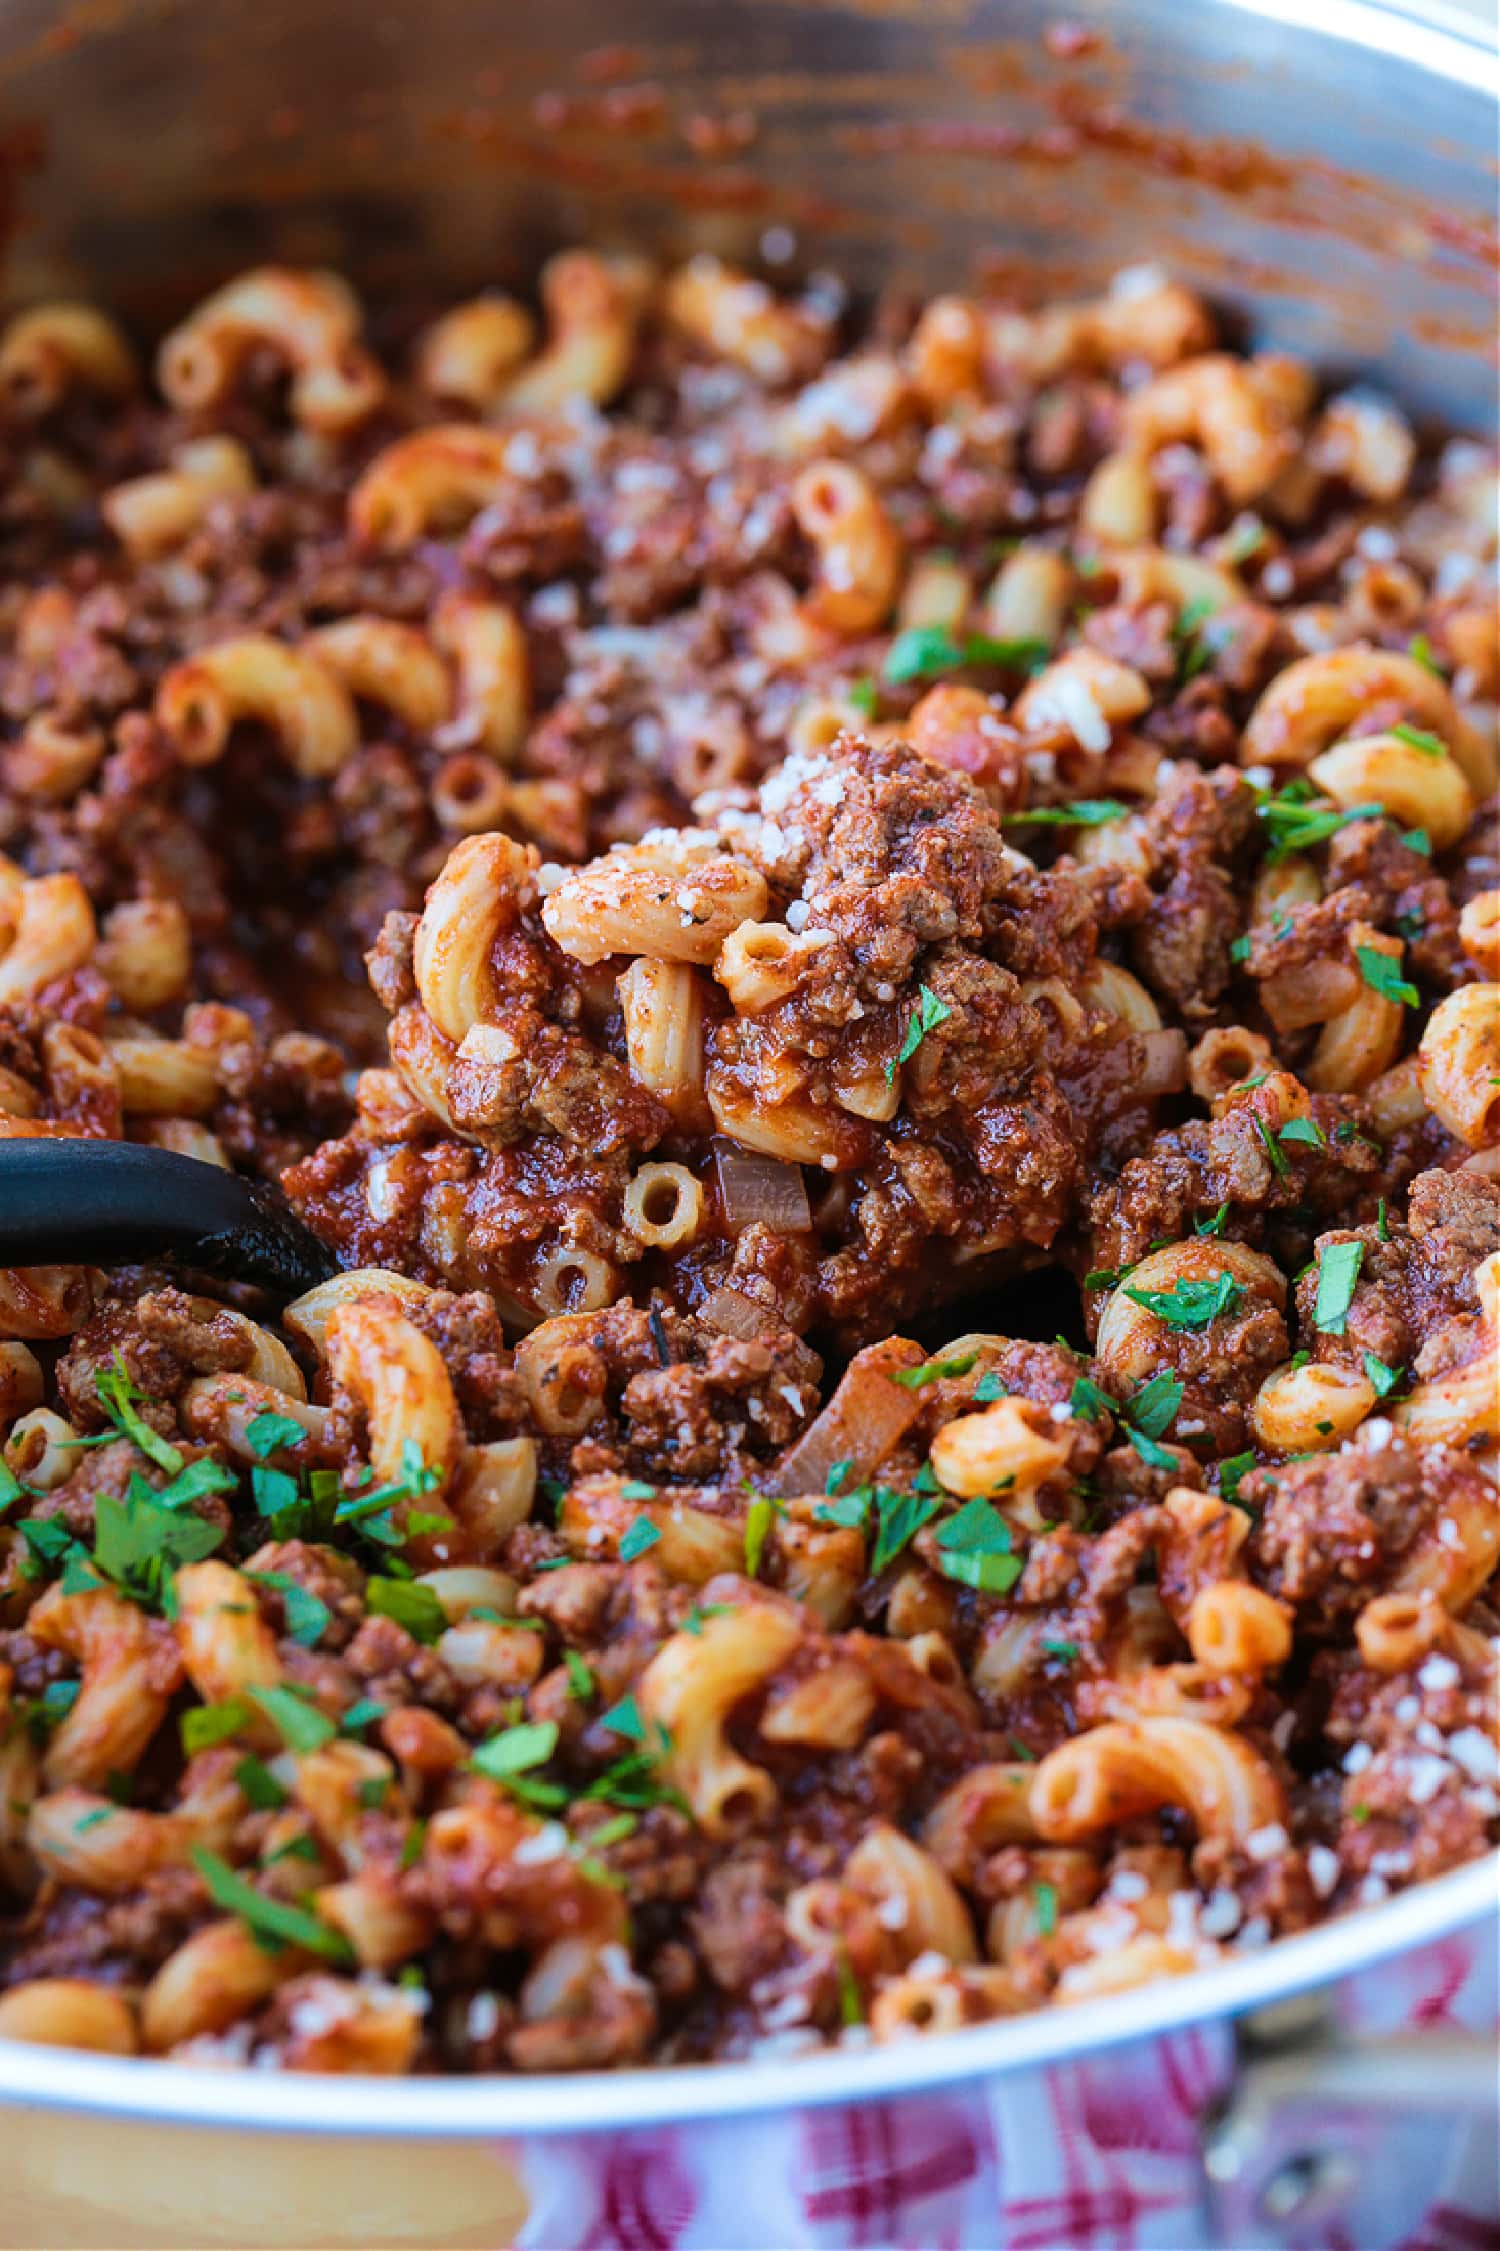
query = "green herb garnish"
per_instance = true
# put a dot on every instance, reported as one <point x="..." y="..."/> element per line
<point x="268" y="1431"/>
<point x="273" y="1922"/>
<point x="208" y="1724"/>
<point x="307" y="1615"/>
<point x="924" y="651"/>
<point x="1154" y="1407"/>
<point x="1418" y="738"/>
<point x="511" y="1757"/>
<point x="299" y="1723"/>
<point x="934" y="1371"/>
<point x="120" y="1398"/>
<point x="1086" y="1399"/>
<point x="408" y="1603"/>
<point x="640" y="1535"/>
<point x="925" y="1017"/>
<point x="1382" y="973"/>
<point x="899" y="1518"/>
<point x="259" y="1784"/>
<point x="1231" y="1471"/>
<point x="1189" y="1304"/>
<point x="1084" y="812"/>
<point x="974" y="1547"/>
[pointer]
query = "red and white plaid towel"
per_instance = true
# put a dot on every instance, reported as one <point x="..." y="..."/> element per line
<point x="1099" y="2155"/>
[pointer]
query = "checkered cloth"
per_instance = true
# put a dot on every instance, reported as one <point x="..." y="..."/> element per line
<point x="1093" y="2155"/>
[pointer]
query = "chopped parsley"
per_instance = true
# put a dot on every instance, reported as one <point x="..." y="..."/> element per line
<point x="701" y="1612"/>
<point x="43" y="1713"/>
<point x="580" y="1679"/>
<point x="625" y="1719"/>
<point x="1213" y="1225"/>
<point x="640" y="1536"/>
<point x="307" y="1615"/>
<point x="120" y="1399"/>
<point x="759" y="1518"/>
<point x="1084" y="812"/>
<point x="1235" y="1467"/>
<point x="925" y="1017"/>
<point x="1338" y="1271"/>
<point x="139" y="1546"/>
<point x="1295" y="819"/>
<point x="360" y="1715"/>
<point x="260" y="1786"/>
<point x="1153" y="1408"/>
<point x="613" y="1832"/>
<point x="899" y="1518"/>
<point x="300" y="1847"/>
<point x="512" y="1757"/>
<point x="1275" y="1154"/>
<point x="1417" y="840"/>
<point x="371" y="1509"/>
<point x="1382" y="1221"/>
<point x="48" y="1540"/>
<point x="1194" y="655"/>
<point x="299" y="1723"/>
<point x="1420" y="647"/>
<point x="1154" y="1456"/>
<point x="1189" y="1304"/>
<point x="1105" y="1277"/>
<point x="273" y="1922"/>
<point x="268" y="1431"/>
<point x="1045" y="1899"/>
<point x="208" y="1724"/>
<point x="1239" y="948"/>
<point x="864" y="695"/>
<point x="408" y="1603"/>
<point x="974" y="1547"/>
<point x="849" y="1511"/>
<point x="1382" y="973"/>
<point x="1086" y="1399"/>
<point x="924" y="651"/>
<point x="988" y="1389"/>
<point x="1306" y="1130"/>
<point x="1066" y="1652"/>
<point x="934" y="1371"/>
<point x="1385" y="1379"/>
<point x="1418" y="738"/>
<point x="637" y="1490"/>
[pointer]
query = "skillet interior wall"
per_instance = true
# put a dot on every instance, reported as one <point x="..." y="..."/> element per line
<point x="151" y="147"/>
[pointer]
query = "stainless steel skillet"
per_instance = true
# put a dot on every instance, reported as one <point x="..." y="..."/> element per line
<point x="1324" y="171"/>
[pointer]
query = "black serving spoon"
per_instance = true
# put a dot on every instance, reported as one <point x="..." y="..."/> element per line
<point x="95" y="1203"/>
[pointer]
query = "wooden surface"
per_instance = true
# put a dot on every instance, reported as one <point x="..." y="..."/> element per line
<point x="82" y="2184"/>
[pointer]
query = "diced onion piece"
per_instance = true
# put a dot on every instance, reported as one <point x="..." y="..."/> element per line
<point x="865" y="1419"/>
<point x="763" y="1191"/>
<point x="738" y="1315"/>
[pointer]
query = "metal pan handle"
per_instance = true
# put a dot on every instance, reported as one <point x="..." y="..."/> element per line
<point x="1290" y="2146"/>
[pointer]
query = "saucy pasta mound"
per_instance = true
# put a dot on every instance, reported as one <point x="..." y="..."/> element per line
<point x="744" y="866"/>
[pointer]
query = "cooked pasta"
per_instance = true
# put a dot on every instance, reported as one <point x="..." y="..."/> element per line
<point x="702" y="840"/>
